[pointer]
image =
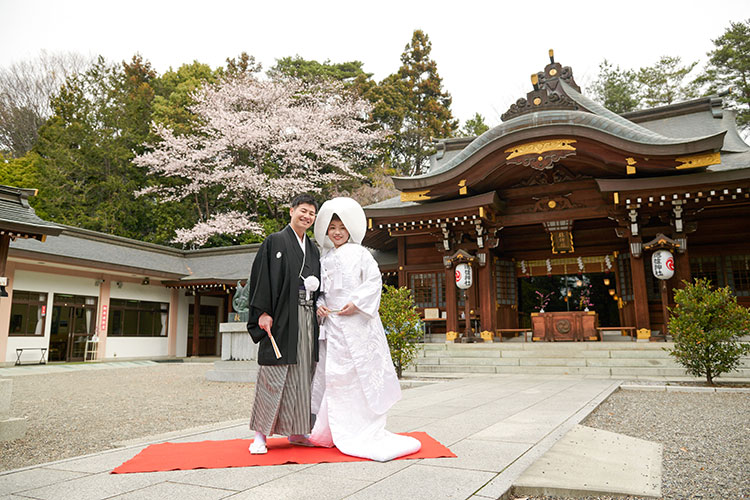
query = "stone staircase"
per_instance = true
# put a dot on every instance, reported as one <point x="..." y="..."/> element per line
<point x="598" y="359"/>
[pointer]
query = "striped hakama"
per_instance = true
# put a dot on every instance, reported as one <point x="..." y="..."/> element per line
<point x="282" y="392"/>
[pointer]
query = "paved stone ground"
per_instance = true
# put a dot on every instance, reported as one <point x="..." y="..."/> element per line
<point x="497" y="425"/>
<point x="705" y="435"/>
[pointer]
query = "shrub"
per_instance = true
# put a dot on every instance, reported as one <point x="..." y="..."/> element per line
<point x="706" y="324"/>
<point x="402" y="325"/>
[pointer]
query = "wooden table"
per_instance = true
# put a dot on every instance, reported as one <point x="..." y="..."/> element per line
<point x="564" y="325"/>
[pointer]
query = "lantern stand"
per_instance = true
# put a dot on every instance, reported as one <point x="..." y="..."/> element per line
<point x="659" y="243"/>
<point x="464" y="280"/>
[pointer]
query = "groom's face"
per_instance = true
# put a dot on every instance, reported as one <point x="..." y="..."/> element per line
<point x="303" y="216"/>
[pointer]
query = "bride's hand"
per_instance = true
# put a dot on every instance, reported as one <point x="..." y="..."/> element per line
<point x="348" y="309"/>
<point x="323" y="311"/>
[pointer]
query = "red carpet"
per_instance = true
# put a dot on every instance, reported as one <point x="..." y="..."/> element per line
<point x="233" y="453"/>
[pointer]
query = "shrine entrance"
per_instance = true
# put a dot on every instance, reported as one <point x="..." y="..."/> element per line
<point x="559" y="293"/>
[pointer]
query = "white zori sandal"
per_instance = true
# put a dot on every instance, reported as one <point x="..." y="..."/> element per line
<point x="258" y="446"/>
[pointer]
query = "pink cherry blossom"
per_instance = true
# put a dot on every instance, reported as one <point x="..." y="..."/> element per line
<point x="258" y="141"/>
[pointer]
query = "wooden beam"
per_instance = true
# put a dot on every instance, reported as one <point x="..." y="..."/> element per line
<point x="4" y="246"/>
<point x="196" y="324"/>
<point x="451" y="300"/>
<point x="640" y="294"/>
<point x="487" y="295"/>
<point x="402" y="262"/>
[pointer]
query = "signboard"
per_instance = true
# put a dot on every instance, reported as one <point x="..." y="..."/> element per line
<point x="103" y="324"/>
<point x="662" y="264"/>
<point x="463" y="276"/>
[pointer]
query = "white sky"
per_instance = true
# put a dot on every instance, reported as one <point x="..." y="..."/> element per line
<point x="485" y="51"/>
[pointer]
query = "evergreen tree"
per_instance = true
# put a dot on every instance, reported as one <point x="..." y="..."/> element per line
<point x="311" y="70"/>
<point x="173" y="93"/>
<point x="413" y="108"/>
<point x="87" y="178"/>
<point x="729" y="68"/>
<point x="662" y="83"/>
<point x="475" y="126"/>
<point x="616" y="89"/>
<point x="20" y="172"/>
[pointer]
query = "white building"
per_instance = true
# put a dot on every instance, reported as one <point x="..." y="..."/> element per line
<point x="137" y="299"/>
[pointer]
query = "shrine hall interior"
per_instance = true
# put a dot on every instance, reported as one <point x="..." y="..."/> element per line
<point x="566" y="201"/>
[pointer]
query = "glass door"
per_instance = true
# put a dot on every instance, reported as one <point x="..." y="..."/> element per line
<point x="73" y="322"/>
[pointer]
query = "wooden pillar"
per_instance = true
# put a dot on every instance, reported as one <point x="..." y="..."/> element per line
<point x="665" y="292"/>
<point x="196" y="323"/>
<point x="682" y="269"/>
<point x="487" y="313"/>
<point x="402" y="261"/>
<point x="4" y="246"/>
<point x="640" y="294"/>
<point x="451" y="300"/>
<point x="174" y="307"/>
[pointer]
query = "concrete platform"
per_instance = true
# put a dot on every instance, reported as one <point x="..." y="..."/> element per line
<point x="588" y="462"/>
<point x="498" y="425"/>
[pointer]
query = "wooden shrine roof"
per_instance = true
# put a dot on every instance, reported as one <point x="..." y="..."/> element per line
<point x="557" y="124"/>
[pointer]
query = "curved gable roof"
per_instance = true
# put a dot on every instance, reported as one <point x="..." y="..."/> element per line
<point x="557" y="109"/>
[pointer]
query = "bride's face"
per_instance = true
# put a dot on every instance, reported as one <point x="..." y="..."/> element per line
<point x="338" y="233"/>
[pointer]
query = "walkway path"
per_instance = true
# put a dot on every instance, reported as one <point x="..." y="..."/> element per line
<point x="15" y="371"/>
<point x="498" y="425"/>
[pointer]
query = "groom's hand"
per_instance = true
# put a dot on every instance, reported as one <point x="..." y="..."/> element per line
<point x="265" y="322"/>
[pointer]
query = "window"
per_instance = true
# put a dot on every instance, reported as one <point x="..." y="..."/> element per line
<point x="27" y="313"/>
<point x="626" y="277"/>
<point x="707" y="267"/>
<point x="428" y="289"/>
<point x="137" y="318"/>
<point x="505" y="282"/>
<point x="738" y="274"/>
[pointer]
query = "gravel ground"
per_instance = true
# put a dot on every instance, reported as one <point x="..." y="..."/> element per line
<point x="706" y="439"/>
<point x="81" y="412"/>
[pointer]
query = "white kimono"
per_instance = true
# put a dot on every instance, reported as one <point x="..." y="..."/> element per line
<point x="355" y="382"/>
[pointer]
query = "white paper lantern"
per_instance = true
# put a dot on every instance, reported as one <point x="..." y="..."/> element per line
<point x="463" y="276"/>
<point x="662" y="264"/>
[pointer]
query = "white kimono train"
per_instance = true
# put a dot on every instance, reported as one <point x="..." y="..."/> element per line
<point x="355" y="382"/>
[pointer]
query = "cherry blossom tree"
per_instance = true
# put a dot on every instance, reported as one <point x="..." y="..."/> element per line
<point x="259" y="142"/>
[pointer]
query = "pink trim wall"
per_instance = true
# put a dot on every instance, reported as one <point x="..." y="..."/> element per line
<point x="102" y="318"/>
<point x="5" y="304"/>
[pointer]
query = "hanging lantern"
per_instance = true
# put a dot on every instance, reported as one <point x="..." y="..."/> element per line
<point x="662" y="264"/>
<point x="463" y="276"/>
<point x="606" y="281"/>
<point x="612" y="292"/>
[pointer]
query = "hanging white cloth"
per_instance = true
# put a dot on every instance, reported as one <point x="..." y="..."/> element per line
<point x="355" y="382"/>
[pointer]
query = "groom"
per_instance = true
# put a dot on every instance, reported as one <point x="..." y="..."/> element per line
<point x="282" y="311"/>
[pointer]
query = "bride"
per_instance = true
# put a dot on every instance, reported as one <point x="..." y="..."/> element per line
<point x="355" y="383"/>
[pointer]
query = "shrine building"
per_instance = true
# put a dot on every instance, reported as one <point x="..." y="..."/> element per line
<point x="558" y="210"/>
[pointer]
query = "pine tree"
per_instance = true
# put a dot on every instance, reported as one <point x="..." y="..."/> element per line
<point x="413" y="107"/>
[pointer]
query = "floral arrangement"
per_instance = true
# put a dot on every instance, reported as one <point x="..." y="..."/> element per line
<point x="543" y="300"/>
<point x="585" y="301"/>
